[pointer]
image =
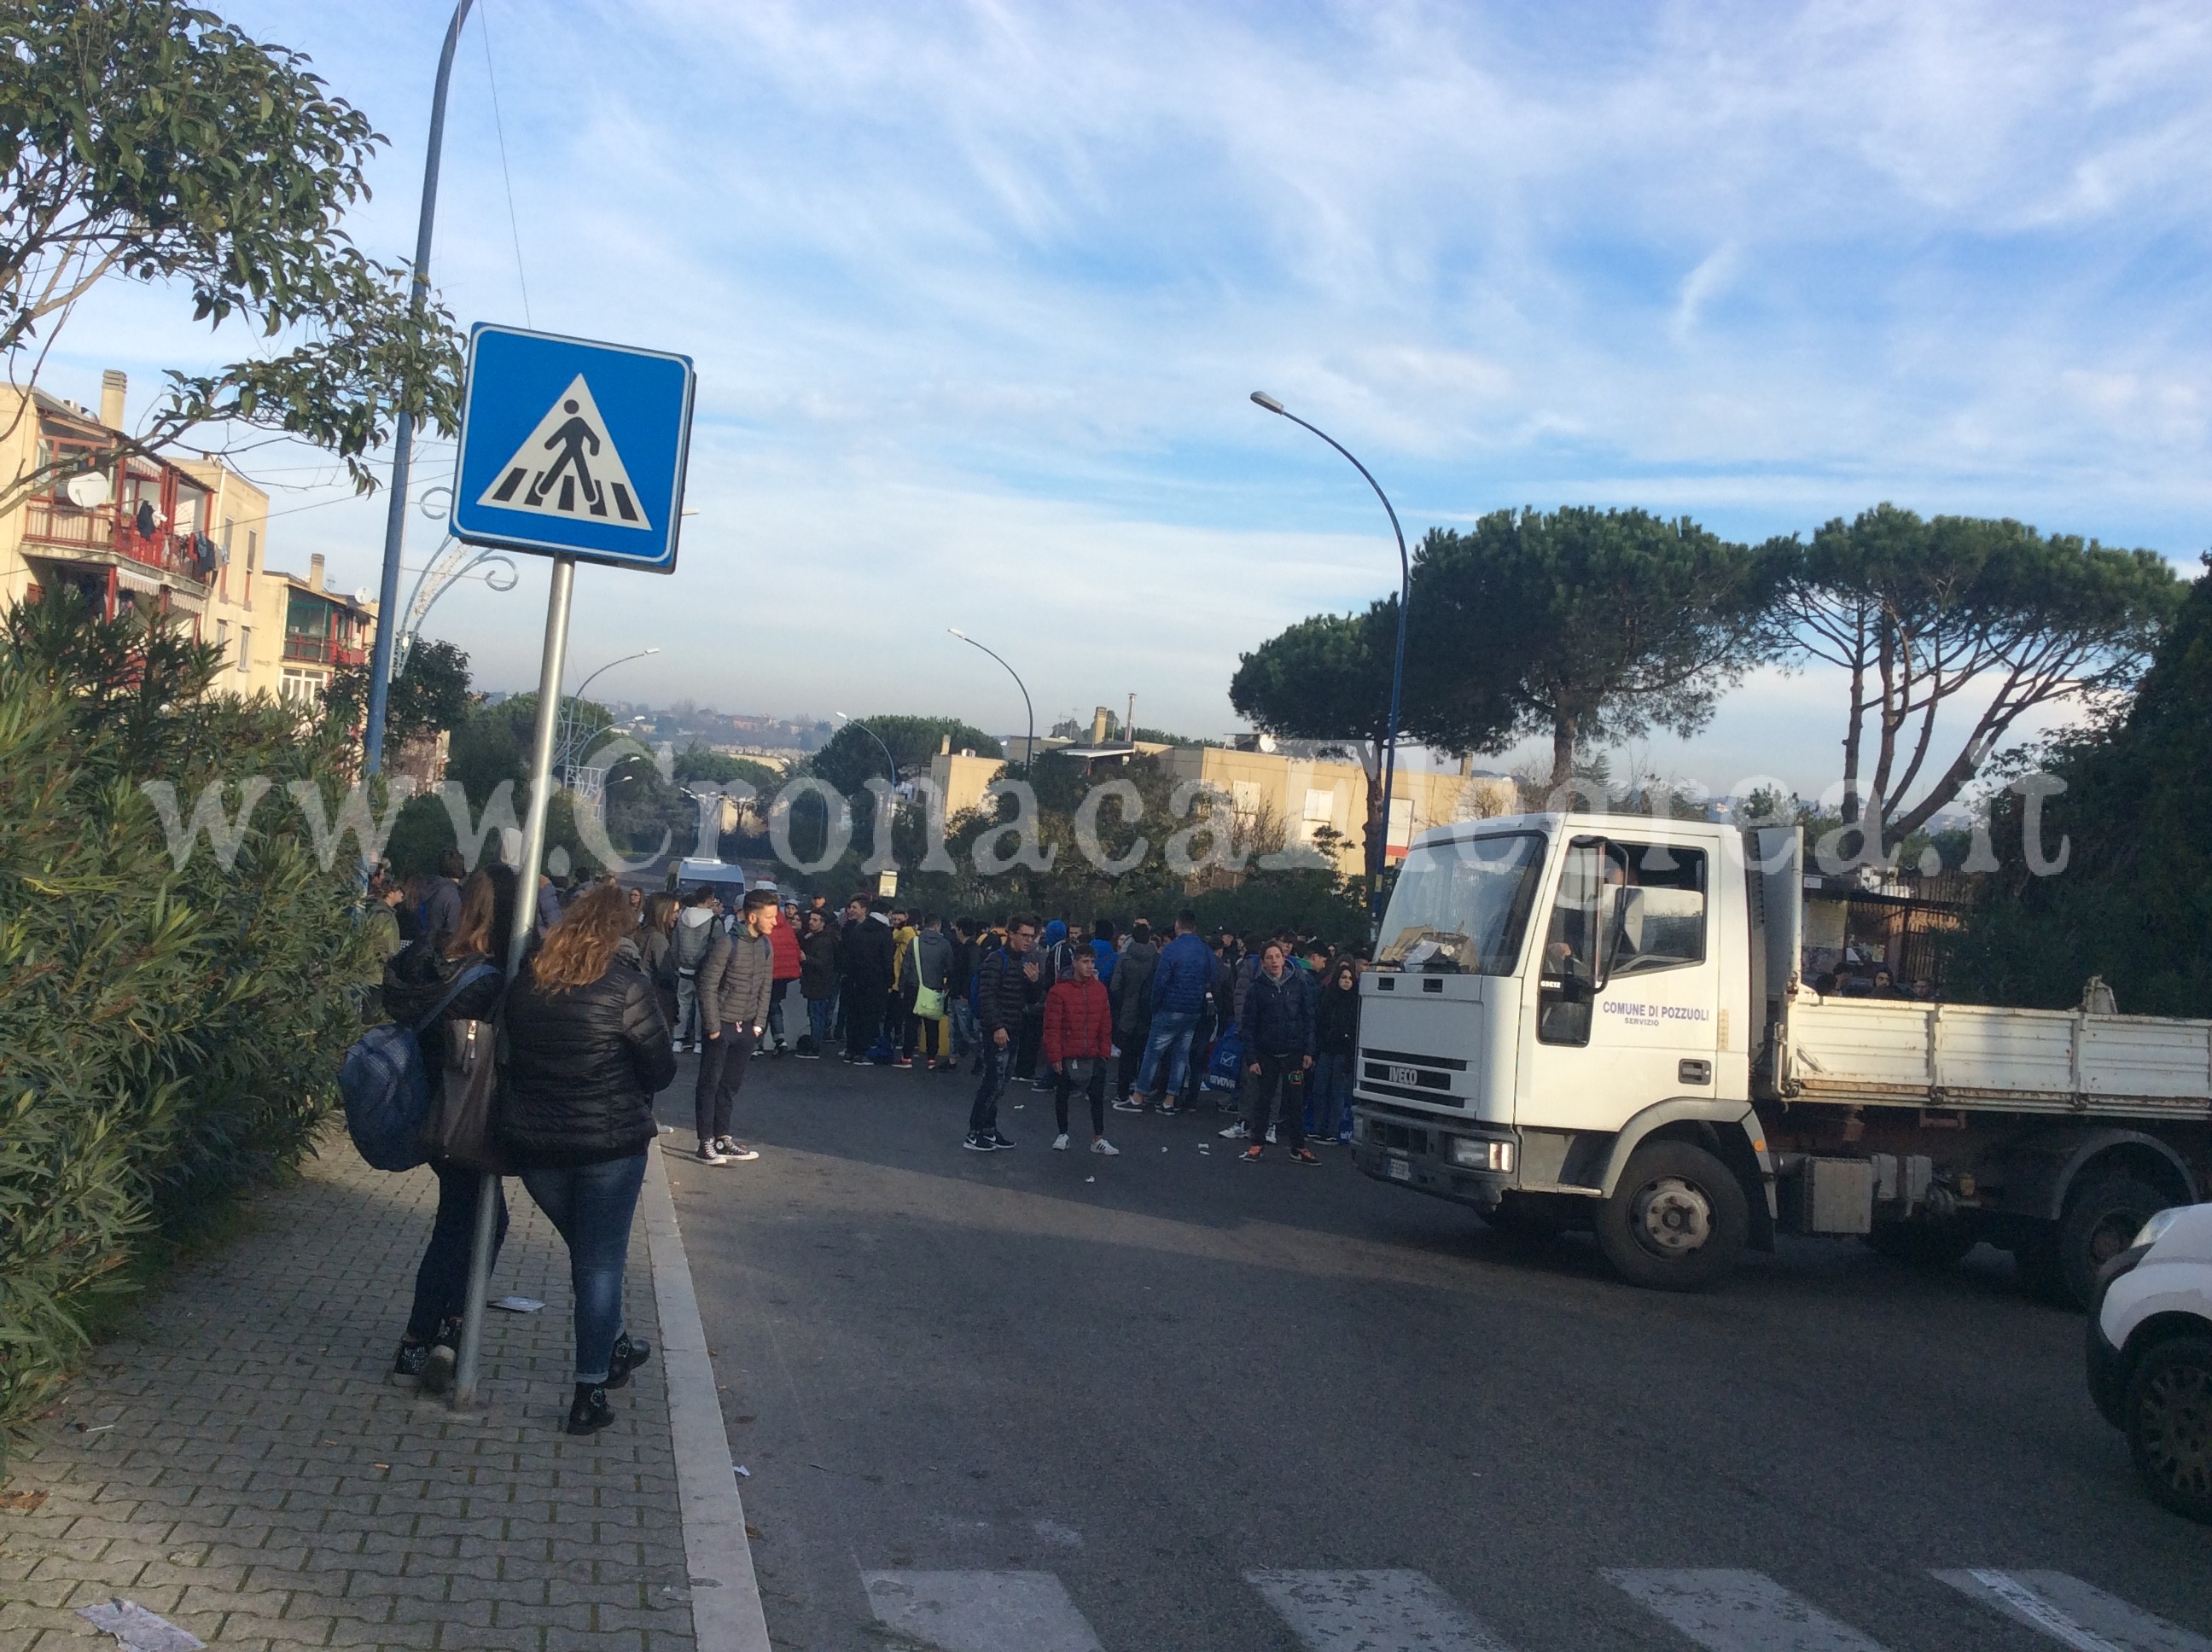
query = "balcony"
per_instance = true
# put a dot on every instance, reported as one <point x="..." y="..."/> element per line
<point x="321" y="651"/>
<point x="52" y="527"/>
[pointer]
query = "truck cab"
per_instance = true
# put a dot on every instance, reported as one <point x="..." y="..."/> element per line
<point x="1563" y="1004"/>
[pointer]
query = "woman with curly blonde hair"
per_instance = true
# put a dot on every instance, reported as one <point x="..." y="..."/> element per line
<point x="588" y="1050"/>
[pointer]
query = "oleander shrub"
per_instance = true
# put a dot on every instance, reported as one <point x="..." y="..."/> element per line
<point x="169" y="1033"/>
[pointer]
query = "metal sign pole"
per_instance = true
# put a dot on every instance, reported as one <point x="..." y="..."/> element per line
<point x="518" y="942"/>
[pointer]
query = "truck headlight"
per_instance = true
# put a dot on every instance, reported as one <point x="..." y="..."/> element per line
<point x="1482" y="1153"/>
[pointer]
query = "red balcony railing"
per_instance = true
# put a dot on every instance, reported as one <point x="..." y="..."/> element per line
<point x="301" y="650"/>
<point x="51" y="522"/>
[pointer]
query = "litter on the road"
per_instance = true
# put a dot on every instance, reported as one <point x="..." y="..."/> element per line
<point x="743" y="1470"/>
<point x="519" y="1304"/>
<point x="1090" y="1178"/>
<point x="137" y="1629"/>
<point x="23" y="1503"/>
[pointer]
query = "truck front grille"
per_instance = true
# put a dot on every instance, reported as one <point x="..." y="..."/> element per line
<point x="1403" y="1139"/>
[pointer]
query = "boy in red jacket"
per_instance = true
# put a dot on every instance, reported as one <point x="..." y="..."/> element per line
<point x="1078" y="1037"/>
<point x="783" y="940"/>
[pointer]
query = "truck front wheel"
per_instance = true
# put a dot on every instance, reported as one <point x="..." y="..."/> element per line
<point x="1677" y="1221"/>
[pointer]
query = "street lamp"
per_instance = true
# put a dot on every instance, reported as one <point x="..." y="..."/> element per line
<point x="1377" y="854"/>
<point x="1029" y="748"/>
<point x="568" y="752"/>
<point x="402" y="443"/>
<point x="889" y="762"/>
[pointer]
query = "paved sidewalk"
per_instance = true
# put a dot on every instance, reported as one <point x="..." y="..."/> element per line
<point x="242" y="1468"/>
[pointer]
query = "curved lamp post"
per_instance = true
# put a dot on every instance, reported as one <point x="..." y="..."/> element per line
<point x="403" y="450"/>
<point x="890" y="763"/>
<point x="453" y="562"/>
<point x="568" y="752"/>
<point x="1029" y="749"/>
<point x="1377" y="854"/>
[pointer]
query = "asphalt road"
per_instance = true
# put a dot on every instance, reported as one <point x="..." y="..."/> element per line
<point x="1066" y="1401"/>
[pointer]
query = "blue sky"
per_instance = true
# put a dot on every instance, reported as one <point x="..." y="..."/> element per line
<point x="977" y="293"/>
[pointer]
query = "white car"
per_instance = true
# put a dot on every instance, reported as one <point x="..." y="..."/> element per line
<point x="2150" y="1355"/>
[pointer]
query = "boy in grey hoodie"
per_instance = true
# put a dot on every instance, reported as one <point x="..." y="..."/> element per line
<point x="695" y="935"/>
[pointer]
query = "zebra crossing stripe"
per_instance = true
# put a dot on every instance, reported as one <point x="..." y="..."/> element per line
<point x="1728" y="1611"/>
<point x="2072" y="1612"/>
<point x="1371" y="1611"/>
<point x="980" y="1611"/>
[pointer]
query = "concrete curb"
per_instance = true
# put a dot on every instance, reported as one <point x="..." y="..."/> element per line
<point x="726" y="1601"/>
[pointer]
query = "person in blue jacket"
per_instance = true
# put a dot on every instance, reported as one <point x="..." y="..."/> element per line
<point x="1180" y="982"/>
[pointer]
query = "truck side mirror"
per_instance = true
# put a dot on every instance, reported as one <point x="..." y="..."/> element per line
<point x="1611" y="930"/>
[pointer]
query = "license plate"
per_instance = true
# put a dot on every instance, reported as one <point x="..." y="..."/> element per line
<point x="1405" y="1075"/>
<point x="1401" y="1170"/>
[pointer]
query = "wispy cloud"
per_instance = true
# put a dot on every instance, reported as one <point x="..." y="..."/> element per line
<point x="977" y="291"/>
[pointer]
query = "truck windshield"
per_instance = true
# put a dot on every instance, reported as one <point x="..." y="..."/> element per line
<point x="1460" y="907"/>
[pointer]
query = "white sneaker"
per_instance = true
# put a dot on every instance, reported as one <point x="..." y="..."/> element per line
<point x="1100" y="1145"/>
<point x="1235" y="1132"/>
<point x="1271" y="1135"/>
<point x="1059" y="1142"/>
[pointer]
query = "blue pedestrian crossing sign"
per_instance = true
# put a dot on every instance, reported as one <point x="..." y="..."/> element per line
<point x="572" y="448"/>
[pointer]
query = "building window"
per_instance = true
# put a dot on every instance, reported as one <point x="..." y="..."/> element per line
<point x="244" y="648"/>
<point x="253" y="544"/>
<point x="223" y="634"/>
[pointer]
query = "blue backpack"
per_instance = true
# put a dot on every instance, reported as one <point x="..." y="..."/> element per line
<point x="386" y="1085"/>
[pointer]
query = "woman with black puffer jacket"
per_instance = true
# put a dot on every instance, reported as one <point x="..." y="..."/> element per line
<point x="415" y="978"/>
<point x="588" y="1048"/>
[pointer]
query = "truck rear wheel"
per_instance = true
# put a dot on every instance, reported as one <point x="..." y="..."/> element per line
<point x="2102" y="1219"/>
<point x="1677" y="1221"/>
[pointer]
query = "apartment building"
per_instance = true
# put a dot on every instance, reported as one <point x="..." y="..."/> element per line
<point x="187" y="540"/>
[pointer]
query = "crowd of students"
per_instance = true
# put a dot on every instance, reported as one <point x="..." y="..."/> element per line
<point x="1018" y="1000"/>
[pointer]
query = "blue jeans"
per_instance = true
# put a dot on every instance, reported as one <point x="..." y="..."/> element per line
<point x="820" y="1012"/>
<point x="1171" y="1032"/>
<point x="592" y="1205"/>
<point x="998" y="1068"/>
<point x="441" y="1283"/>
<point x="966" y="1033"/>
<point x="1328" y="1094"/>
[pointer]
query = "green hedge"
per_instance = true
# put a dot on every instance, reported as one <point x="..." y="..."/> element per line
<point x="168" y="1035"/>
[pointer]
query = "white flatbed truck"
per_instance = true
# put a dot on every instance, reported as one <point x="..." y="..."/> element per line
<point x="1586" y="1018"/>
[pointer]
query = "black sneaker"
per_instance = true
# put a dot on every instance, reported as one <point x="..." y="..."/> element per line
<point x="629" y="1353"/>
<point x="445" y="1354"/>
<point x="407" y="1369"/>
<point x="1304" y="1156"/>
<point x="589" y="1412"/>
<point x="975" y="1144"/>
<point x="1000" y="1141"/>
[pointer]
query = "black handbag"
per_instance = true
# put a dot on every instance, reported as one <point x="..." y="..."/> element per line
<point x="459" y="1130"/>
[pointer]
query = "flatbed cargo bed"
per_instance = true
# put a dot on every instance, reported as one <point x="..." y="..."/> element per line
<point x="1872" y="1053"/>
